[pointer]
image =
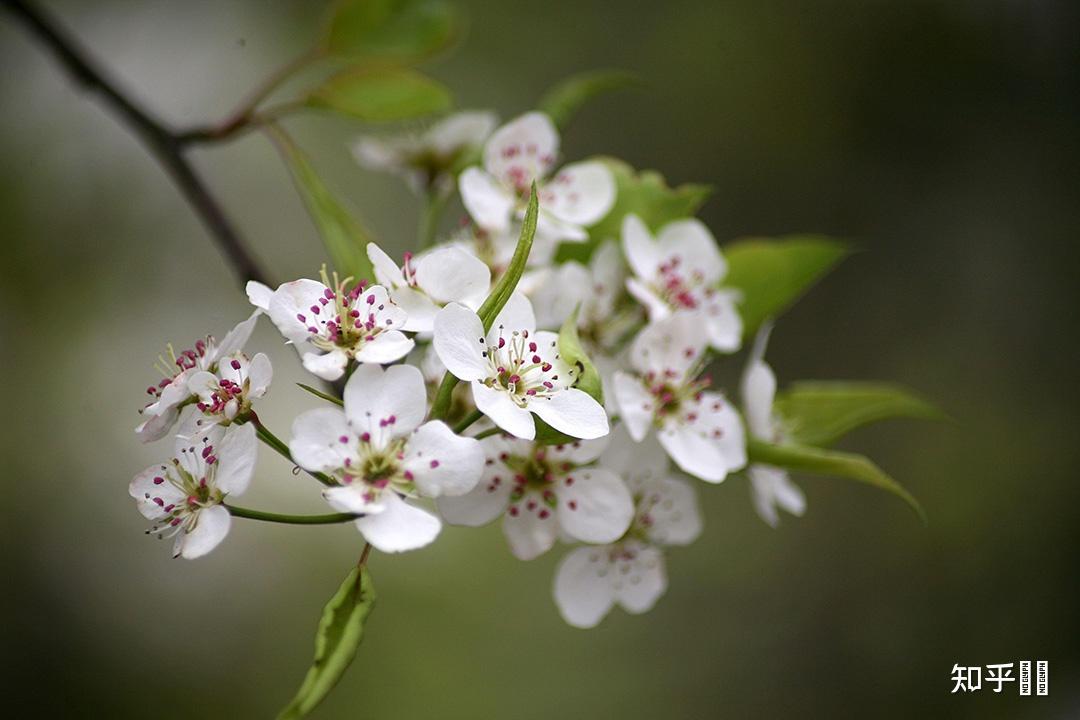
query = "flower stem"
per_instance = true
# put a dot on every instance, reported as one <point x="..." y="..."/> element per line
<point x="468" y="420"/>
<point x="434" y="202"/>
<point x="441" y="405"/>
<point x="487" y="433"/>
<point x="328" y="519"/>
<point x="282" y="449"/>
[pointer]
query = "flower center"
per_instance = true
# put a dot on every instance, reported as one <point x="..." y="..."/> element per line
<point x="348" y="318"/>
<point x="518" y="368"/>
<point x="677" y="289"/>
<point x="172" y="365"/>
<point x="193" y="475"/>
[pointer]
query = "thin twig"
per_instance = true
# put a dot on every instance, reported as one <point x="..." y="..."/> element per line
<point x="162" y="143"/>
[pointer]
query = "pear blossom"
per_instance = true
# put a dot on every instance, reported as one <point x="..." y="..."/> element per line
<point x="183" y="497"/>
<point x="380" y="454"/>
<point x="333" y="323"/>
<point x="228" y="391"/>
<point x="429" y="157"/>
<point x="680" y="271"/>
<point x="542" y="492"/>
<point x="697" y="427"/>
<point x="516" y="371"/>
<point x="771" y="487"/>
<point x="173" y="392"/>
<point x="423" y="285"/>
<point x="520" y="152"/>
<point x="589" y="581"/>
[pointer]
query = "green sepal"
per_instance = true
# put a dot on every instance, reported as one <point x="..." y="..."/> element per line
<point x="380" y="95"/>
<point x="819" y="461"/>
<point x="565" y="99"/>
<point x="820" y="413"/>
<point x="341" y="628"/>
<point x="772" y="273"/>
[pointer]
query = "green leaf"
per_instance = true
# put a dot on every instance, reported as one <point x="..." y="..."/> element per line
<point x="401" y="31"/>
<point x="341" y="628"/>
<point x="343" y="236"/>
<point x="773" y="273"/>
<point x="588" y="378"/>
<point x="495" y="300"/>
<point x="384" y="95"/>
<point x="645" y="194"/>
<point x="819" y="461"/>
<point x="820" y="413"/>
<point x="563" y="101"/>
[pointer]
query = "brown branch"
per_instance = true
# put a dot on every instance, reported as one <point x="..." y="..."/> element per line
<point x="164" y="145"/>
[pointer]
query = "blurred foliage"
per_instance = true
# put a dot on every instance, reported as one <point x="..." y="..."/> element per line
<point x="941" y="137"/>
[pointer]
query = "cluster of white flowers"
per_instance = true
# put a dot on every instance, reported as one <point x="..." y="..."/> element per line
<point x="525" y="440"/>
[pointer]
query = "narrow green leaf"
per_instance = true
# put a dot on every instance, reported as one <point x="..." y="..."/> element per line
<point x="503" y="289"/>
<point x="563" y="101"/>
<point x="382" y="95"/>
<point x="341" y="628"/>
<point x="588" y="378"/>
<point x="321" y="394"/>
<point x="773" y="273"/>
<point x="819" y="461"/>
<point x="402" y="31"/>
<point x="645" y="194"/>
<point x="343" y="236"/>
<point x="820" y="413"/>
<point x="495" y="300"/>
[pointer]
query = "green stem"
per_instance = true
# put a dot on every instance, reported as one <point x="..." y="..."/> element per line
<point x="320" y="394"/>
<point x="283" y="450"/>
<point x="440" y="408"/>
<point x="468" y="420"/>
<point x="487" y="433"/>
<point x="328" y="519"/>
<point x="434" y="203"/>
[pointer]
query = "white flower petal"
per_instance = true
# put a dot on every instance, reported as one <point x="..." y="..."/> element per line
<point x="357" y="498"/>
<point x="580" y="193"/>
<point x="522" y="150"/>
<point x="551" y="229"/>
<point x="387" y="273"/>
<point x="641" y="580"/>
<point x="573" y="412"/>
<point x="758" y="388"/>
<point x="153" y="492"/>
<point x="460" y="343"/>
<point x="316" y="440"/>
<point x="516" y="315"/>
<point x="642" y="252"/>
<point x="560" y="291"/>
<point x="503" y="411"/>
<point x="490" y="205"/>
<point x="234" y="340"/>
<point x="386" y="403"/>
<point x="441" y="462"/>
<point x="419" y="309"/>
<point x="386" y="347"/>
<point x="707" y="440"/>
<point x="460" y="131"/>
<point x="656" y="306"/>
<point x="695" y="249"/>
<point x="671" y="348"/>
<point x="293" y="301"/>
<point x="259" y="295"/>
<point x="155" y="427"/>
<point x="530" y="532"/>
<point x="676" y="517"/>
<point x="722" y="320"/>
<point x="772" y="489"/>
<point x="399" y="527"/>
<point x="211" y="526"/>
<point x="328" y="366"/>
<point x="578" y="452"/>
<point x="484" y="503"/>
<point x="260" y="374"/>
<point x="636" y="406"/>
<point x="583" y="586"/>
<point x="597" y="507"/>
<point x="453" y="275"/>
<point x="236" y="459"/>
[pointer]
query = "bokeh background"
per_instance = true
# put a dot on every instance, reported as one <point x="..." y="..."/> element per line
<point x="939" y="136"/>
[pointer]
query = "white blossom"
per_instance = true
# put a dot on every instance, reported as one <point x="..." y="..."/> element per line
<point x="183" y="497"/>
<point x="422" y="285"/>
<point x="380" y="454"/>
<point x="697" y="427"/>
<point x="331" y="326"/>
<point x="542" y="492"/>
<point x="515" y="371"/>
<point x="630" y="572"/>
<point x="172" y="393"/>
<point x="429" y="156"/>
<point x="679" y="272"/>
<point x="520" y="152"/>
<point x="771" y="487"/>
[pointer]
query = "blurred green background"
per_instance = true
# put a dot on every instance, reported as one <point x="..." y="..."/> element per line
<point x="940" y="136"/>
